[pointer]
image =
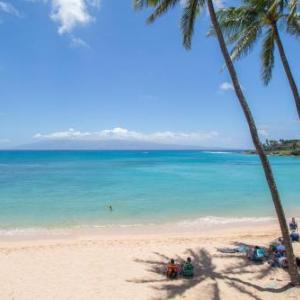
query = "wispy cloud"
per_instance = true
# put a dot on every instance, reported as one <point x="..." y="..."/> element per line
<point x="280" y="130"/>
<point x="226" y="86"/>
<point x="125" y="134"/>
<point x="219" y="3"/>
<point x="72" y="13"/>
<point x="8" y="8"/>
<point x="264" y="133"/>
<point x="77" y="42"/>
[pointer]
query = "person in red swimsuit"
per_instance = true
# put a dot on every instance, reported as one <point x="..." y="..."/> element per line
<point x="172" y="269"/>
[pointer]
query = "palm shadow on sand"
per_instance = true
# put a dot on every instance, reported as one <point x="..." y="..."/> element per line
<point x="206" y="270"/>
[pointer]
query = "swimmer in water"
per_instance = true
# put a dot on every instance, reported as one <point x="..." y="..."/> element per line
<point x="110" y="208"/>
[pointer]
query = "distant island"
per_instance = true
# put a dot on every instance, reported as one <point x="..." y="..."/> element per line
<point x="280" y="147"/>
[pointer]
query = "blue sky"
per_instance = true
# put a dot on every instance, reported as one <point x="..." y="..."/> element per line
<point x="93" y="69"/>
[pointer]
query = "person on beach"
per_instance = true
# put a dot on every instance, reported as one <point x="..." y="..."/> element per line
<point x="294" y="236"/>
<point x="278" y="256"/>
<point x="110" y="208"/>
<point x="293" y="225"/>
<point x="256" y="254"/>
<point x="283" y="262"/>
<point x="188" y="269"/>
<point x="274" y="261"/>
<point x="172" y="269"/>
<point x="298" y="262"/>
<point x="280" y="248"/>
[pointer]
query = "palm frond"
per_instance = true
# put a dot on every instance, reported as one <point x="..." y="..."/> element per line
<point x="271" y="9"/>
<point x="161" y="7"/>
<point x="293" y="25"/>
<point x="246" y="42"/>
<point x="267" y="56"/>
<point x="140" y="4"/>
<point x="293" y="4"/>
<point x="292" y="9"/>
<point x="234" y="19"/>
<point x="235" y="22"/>
<point x="190" y="11"/>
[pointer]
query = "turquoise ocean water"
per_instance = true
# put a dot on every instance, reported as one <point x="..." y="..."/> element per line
<point x="73" y="188"/>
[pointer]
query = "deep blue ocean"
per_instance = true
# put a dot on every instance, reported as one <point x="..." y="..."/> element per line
<point x="74" y="188"/>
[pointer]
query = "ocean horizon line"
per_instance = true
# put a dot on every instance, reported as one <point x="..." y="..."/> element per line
<point x="124" y="150"/>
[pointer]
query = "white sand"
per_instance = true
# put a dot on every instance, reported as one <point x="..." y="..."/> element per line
<point x="127" y="267"/>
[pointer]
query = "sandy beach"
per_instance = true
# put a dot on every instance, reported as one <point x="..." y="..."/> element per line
<point x="120" y="266"/>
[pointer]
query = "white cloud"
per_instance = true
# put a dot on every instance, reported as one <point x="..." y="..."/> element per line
<point x="263" y="132"/>
<point x="72" y="13"/>
<point x="77" y="42"/>
<point x="219" y="3"/>
<point x="226" y="86"/>
<point x="188" y="138"/>
<point x="280" y="130"/>
<point x="9" y="9"/>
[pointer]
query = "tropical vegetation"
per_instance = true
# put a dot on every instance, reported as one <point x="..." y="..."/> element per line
<point x="245" y="25"/>
<point x="282" y="147"/>
<point x="190" y="11"/>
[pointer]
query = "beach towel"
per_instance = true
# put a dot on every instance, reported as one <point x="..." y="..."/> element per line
<point x="228" y="250"/>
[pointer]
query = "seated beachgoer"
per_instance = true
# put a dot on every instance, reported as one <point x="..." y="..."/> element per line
<point x="257" y="254"/>
<point x="280" y="248"/>
<point x="278" y="259"/>
<point x="172" y="269"/>
<point x="280" y="241"/>
<point x="298" y="262"/>
<point x="188" y="268"/>
<point x="283" y="262"/>
<point x="294" y="236"/>
<point x="274" y="261"/>
<point x="273" y="246"/>
<point x="293" y="225"/>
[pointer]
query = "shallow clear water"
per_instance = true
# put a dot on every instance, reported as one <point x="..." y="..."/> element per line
<point x="70" y="188"/>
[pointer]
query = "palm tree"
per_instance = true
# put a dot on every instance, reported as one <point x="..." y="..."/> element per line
<point x="245" y="24"/>
<point x="191" y="10"/>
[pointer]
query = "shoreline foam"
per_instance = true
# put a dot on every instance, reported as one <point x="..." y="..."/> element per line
<point x="193" y="226"/>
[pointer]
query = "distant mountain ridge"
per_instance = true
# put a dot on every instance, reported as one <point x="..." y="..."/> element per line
<point x="103" y="145"/>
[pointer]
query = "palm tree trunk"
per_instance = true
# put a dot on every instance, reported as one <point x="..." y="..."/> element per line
<point x="287" y="68"/>
<point x="293" y="271"/>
